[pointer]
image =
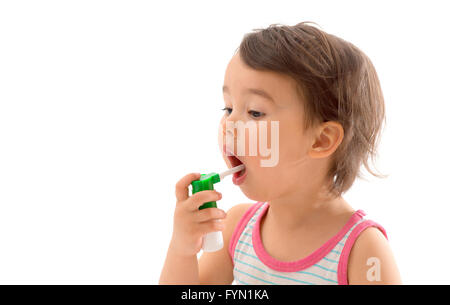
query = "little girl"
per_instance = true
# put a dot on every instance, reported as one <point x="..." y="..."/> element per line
<point x="325" y="95"/>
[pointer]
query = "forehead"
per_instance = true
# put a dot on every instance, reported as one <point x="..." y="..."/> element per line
<point x="239" y="77"/>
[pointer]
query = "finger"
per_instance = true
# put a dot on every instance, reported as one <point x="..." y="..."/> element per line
<point x="211" y="226"/>
<point x="210" y="214"/>
<point x="198" y="199"/>
<point x="181" y="188"/>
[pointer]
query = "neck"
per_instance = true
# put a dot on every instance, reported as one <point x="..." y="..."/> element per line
<point x="302" y="207"/>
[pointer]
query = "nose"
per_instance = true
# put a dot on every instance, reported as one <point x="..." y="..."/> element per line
<point x="229" y="127"/>
<point x="228" y="134"/>
<point x="229" y="130"/>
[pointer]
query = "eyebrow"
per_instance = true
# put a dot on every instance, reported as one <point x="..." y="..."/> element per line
<point x="256" y="91"/>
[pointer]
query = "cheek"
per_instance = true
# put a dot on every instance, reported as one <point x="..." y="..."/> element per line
<point x="292" y="143"/>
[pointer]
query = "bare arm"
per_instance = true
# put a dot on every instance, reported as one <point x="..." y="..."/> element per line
<point x="179" y="270"/>
<point x="217" y="267"/>
<point x="371" y="261"/>
<point x="212" y="267"/>
<point x="190" y="224"/>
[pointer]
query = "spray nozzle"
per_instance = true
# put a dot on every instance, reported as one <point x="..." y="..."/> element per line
<point x="233" y="170"/>
<point x="206" y="181"/>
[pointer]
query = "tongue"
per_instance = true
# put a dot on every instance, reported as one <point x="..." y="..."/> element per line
<point x="238" y="174"/>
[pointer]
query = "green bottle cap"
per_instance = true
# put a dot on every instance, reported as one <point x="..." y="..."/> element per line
<point x="206" y="182"/>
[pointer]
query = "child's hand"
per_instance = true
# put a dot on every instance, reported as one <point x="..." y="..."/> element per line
<point x="190" y="223"/>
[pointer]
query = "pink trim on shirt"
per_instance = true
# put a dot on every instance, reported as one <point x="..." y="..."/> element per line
<point x="343" y="260"/>
<point x="304" y="262"/>
<point x="240" y="227"/>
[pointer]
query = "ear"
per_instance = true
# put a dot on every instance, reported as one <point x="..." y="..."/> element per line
<point x="327" y="139"/>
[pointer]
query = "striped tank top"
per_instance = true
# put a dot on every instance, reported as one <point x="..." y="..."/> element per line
<point x="325" y="266"/>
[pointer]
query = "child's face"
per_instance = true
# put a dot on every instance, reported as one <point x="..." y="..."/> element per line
<point x="289" y="170"/>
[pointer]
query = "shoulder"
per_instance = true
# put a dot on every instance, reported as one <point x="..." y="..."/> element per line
<point x="236" y="212"/>
<point x="371" y="260"/>
<point x="234" y="215"/>
<point x="233" y="219"/>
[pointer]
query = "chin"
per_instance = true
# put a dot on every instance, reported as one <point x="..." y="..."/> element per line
<point x="254" y="193"/>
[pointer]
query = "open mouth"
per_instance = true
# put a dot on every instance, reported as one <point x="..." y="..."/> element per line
<point x="234" y="161"/>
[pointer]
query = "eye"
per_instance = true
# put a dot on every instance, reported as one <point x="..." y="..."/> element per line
<point x="228" y="110"/>
<point x="256" y="114"/>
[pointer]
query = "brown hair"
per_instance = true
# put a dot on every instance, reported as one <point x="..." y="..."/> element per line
<point x="338" y="82"/>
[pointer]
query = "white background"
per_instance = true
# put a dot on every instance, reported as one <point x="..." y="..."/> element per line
<point x="105" y="105"/>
